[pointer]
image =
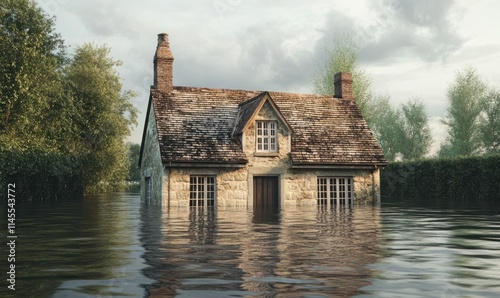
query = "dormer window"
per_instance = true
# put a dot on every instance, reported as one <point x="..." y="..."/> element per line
<point x="266" y="137"/>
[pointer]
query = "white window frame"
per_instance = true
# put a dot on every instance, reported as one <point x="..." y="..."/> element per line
<point x="202" y="191"/>
<point x="334" y="191"/>
<point x="266" y="136"/>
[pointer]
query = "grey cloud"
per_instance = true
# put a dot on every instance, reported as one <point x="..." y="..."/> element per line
<point x="103" y="18"/>
<point x="256" y="61"/>
<point x="420" y="28"/>
<point x="402" y="30"/>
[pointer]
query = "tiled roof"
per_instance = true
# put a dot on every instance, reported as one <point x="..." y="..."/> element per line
<point x="246" y="110"/>
<point x="197" y="125"/>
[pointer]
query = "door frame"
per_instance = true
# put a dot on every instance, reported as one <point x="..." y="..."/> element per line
<point x="263" y="172"/>
<point x="275" y="201"/>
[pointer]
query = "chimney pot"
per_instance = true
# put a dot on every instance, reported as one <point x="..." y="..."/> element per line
<point x="342" y="82"/>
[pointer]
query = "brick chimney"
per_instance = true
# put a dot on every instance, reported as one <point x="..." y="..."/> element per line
<point x="342" y="82"/>
<point x="163" y="65"/>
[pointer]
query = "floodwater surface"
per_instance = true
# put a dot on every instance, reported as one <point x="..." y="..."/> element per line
<point x="114" y="246"/>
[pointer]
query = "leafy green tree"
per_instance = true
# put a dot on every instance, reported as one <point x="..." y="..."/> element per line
<point x="387" y="127"/>
<point x="134" y="173"/>
<point x="343" y="57"/>
<point x="33" y="107"/>
<point x="416" y="136"/>
<point x="105" y="115"/>
<point x="466" y="101"/>
<point x="490" y="122"/>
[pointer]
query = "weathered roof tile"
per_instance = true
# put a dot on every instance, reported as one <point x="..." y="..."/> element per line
<point x="197" y="125"/>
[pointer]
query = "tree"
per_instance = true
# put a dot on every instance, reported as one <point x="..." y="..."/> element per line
<point x="466" y="100"/>
<point x="33" y="106"/>
<point x="416" y="137"/>
<point x="387" y="127"/>
<point x="490" y="122"/>
<point x="104" y="117"/>
<point x="343" y="57"/>
<point x="134" y="173"/>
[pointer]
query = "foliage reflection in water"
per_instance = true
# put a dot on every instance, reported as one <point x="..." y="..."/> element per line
<point x="111" y="245"/>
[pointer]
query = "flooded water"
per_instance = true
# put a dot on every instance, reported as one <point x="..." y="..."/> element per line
<point x="112" y="246"/>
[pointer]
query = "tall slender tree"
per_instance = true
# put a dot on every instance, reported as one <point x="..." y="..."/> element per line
<point x="387" y="127"/>
<point x="342" y="56"/>
<point x="465" y="104"/>
<point x="416" y="138"/>
<point x="133" y="156"/>
<point x="490" y="122"/>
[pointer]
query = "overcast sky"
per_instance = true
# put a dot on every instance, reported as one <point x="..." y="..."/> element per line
<point x="409" y="48"/>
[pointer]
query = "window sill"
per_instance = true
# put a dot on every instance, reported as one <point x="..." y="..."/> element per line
<point x="264" y="154"/>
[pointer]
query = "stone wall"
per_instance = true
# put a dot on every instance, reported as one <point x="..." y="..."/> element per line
<point x="297" y="186"/>
<point x="151" y="165"/>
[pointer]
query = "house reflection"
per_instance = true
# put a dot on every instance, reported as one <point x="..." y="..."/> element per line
<point x="296" y="252"/>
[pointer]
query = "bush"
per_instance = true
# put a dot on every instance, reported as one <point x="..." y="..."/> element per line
<point x="459" y="179"/>
<point x="40" y="176"/>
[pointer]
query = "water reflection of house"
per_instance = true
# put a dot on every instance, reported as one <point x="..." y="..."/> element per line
<point x="204" y="146"/>
<point x="303" y="251"/>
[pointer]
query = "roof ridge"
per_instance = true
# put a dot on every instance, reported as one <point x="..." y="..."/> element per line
<point x="256" y="97"/>
<point x="243" y="91"/>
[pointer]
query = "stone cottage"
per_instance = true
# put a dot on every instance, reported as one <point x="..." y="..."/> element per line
<point x="221" y="147"/>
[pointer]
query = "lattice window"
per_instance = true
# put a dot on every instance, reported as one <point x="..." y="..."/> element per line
<point x="335" y="191"/>
<point x="202" y="191"/>
<point x="266" y="136"/>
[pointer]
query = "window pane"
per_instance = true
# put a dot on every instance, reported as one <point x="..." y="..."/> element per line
<point x="335" y="190"/>
<point x="201" y="189"/>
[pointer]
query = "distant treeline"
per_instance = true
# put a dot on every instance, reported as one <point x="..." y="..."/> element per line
<point x="443" y="180"/>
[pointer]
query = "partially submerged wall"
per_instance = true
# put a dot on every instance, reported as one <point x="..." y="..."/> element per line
<point x="151" y="165"/>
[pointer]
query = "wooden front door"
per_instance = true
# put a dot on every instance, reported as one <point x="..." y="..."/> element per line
<point x="265" y="193"/>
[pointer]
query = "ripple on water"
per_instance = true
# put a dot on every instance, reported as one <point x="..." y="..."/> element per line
<point x="112" y="245"/>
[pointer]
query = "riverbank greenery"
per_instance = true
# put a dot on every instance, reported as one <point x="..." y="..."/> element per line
<point x="63" y="118"/>
<point x="40" y="175"/>
<point x="448" y="179"/>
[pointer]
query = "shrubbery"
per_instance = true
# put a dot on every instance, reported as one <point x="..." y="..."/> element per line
<point x="459" y="179"/>
<point x="40" y="176"/>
